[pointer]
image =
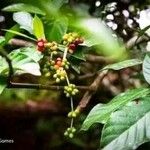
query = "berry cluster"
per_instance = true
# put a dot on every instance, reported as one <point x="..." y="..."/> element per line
<point x="52" y="46"/>
<point x="61" y="63"/>
<point x="70" y="132"/>
<point x="73" y="114"/>
<point x="60" y="75"/>
<point x="72" y="40"/>
<point x="70" y="90"/>
<point x="42" y="44"/>
<point x="55" y="65"/>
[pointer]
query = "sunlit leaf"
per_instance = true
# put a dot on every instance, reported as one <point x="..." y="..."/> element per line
<point x="128" y="127"/>
<point x="24" y="60"/>
<point x="24" y="7"/>
<point x="97" y="34"/>
<point x="100" y="113"/>
<point x="24" y="19"/>
<point x="123" y="64"/>
<point x="38" y="28"/>
<point x="146" y="68"/>
<point x="20" y="34"/>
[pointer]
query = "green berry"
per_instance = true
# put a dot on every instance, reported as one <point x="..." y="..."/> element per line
<point x="66" y="133"/>
<point x="71" y="135"/>
<point x="57" y="80"/>
<point x="73" y="129"/>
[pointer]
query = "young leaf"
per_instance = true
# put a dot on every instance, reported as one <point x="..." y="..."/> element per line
<point x="57" y="29"/>
<point x="24" y="7"/>
<point x="24" y="19"/>
<point x="3" y="83"/>
<point x="100" y="113"/>
<point x="123" y="64"/>
<point x="9" y="35"/>
<point x="146" y="68"/>
<point x="128" y="127"/>
<point x="38" y="28"/>
<point x="20" y="34"/>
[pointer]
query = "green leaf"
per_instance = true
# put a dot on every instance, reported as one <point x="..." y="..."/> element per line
<point x="75" y="64"/>
<point x="24" y="60"/>
<point x="146" y="68"/>
<point x="97" y="34"/>
<point x="128" y="127"/>
<point x="2" y="40"/>
<point x="57" y="29"/>
<point x="3" y="83"/>
<point x="100" y="113"/>
<point x="79" y="54"/>
<point x="142" y="32"/>
<point x="24" y="19"/>
<point x="24" y="7"/>
<point x="123" y="64"/>
<point x="10" y="35"/>
<point x="38" y="28"/>
<point x="20" y="34"/>
<point x="57" y="4"/>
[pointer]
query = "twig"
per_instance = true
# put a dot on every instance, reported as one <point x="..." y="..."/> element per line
<point x="98" y="59"/>
<point x="19" y="42"/>
<point x="113" y="89"/>
<point x="43" y="87"/>
<point x="87" y="96"/>
<point x="135" y="40"/>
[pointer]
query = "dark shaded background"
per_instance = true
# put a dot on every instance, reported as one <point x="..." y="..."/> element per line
<point x="37" y="121"/>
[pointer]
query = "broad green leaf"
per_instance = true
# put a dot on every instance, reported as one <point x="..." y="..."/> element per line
<point x="57" y="29"/>
<point x="51" y="7"/>
<point x="128" y="127"/>
<point x="146" y="68"/>
<point x="3" y="83"/>
<point x="24" y="7"/>
<point x="123" y="64"/>
<point x="24" y="60"/>
<point x="100" y="113"/>
<point x="38" y="28"/>
<point x="30" y="52"/>
<point x="24" y="19"/>
<point x="9" y="35"/>
<point x="20" y="34"/>
<point x="2" y="40"/>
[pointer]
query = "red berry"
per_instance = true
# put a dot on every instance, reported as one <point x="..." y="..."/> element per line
<point x="72" y="46"/>
<point x="59" y="63"/>
<point x="78" y="41"/>
<point x="40" y="45"/>
<point x="58" y="59"/>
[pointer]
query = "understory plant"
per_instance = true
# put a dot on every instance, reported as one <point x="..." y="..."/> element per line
<point x="55" y="44"/>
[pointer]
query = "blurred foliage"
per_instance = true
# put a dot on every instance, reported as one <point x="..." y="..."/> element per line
<point x="59" y="15"/>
